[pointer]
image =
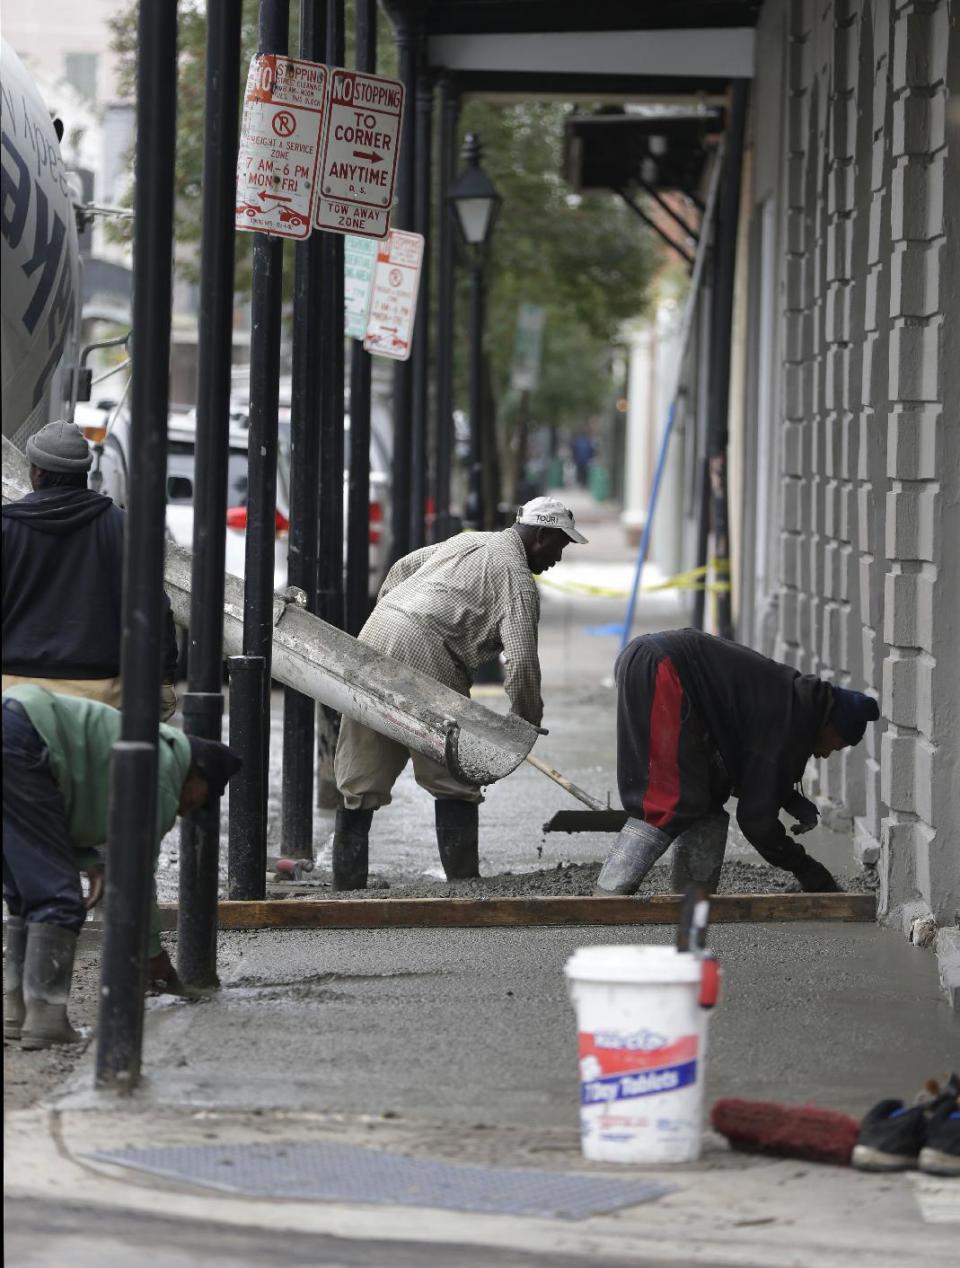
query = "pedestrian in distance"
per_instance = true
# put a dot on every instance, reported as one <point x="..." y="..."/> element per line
<point x="56" y="777"/>
<point x="63" y="577"/>
<point x="446" y="610"/>
<point x="700" y="719"/>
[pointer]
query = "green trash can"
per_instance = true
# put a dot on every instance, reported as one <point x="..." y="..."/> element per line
<point x="555" y="473"/>
<point x="599" y="482"/>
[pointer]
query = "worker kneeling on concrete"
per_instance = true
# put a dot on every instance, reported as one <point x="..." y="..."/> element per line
<point x="700" y="719"/>
<point x="56" y="776"/>
<point x="446" y="610"/>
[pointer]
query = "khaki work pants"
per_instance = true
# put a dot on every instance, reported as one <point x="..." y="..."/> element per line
<point x="104" y="690"/>
<point x="368" y="764"/>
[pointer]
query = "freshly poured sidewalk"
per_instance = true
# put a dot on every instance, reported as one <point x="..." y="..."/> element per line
<point x="460" y="1045"/>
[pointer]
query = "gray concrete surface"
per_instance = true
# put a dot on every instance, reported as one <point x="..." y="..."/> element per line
<point x="474" y="1026"/>
<point x="460" y="1044"/>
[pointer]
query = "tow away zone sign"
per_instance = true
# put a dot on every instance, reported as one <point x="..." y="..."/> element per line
<point x="359" y="164"/>
<point x="393" y="305"/>
<point x="283" y="113"/>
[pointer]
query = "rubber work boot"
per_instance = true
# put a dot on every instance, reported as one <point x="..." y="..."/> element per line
<point x="635" y="851"/>
<point x="698" y="854"/>
<point x="13" y="954"/>
<point x="458" y="832"/>
<point x="351" y="848"/>
<point x="47" y="974"/>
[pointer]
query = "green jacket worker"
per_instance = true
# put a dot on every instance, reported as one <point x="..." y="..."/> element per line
<point x="56" y="778"/>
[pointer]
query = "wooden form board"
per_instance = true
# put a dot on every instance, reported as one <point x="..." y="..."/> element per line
<point x="461" y="913"/>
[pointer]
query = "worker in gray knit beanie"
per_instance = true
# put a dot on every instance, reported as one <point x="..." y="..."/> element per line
<point x="60" y="446"/>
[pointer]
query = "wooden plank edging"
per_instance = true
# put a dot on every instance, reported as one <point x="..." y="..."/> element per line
<point x="421" y="913"/>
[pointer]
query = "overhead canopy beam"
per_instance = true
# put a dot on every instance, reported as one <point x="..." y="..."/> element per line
<point x="699" y="53"/>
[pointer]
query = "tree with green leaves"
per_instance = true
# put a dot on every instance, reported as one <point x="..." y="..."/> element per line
<point x="583" y="259"/>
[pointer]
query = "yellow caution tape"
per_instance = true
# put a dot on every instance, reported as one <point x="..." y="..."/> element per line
<point x="692" y="579"/>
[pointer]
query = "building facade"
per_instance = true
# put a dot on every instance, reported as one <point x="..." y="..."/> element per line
<point x="849" y="548"/>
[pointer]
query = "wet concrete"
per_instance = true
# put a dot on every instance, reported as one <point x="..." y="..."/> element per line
<point x="474" y="1026"/>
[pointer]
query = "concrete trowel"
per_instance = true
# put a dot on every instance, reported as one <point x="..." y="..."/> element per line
<point x="599" y="818"/>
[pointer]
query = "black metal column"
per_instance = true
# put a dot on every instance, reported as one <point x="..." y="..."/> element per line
<point x="203" y="703"/>
<point x="330" y="583"/>
<point x="132" y="825"/>
<point x="330" y="587"/>
<point x="420" y="355"/>
<point x="298" y="710"/>
<point x="266" y="303"/>
<point x="719" y="407"/>
<point x="475" y="516"/>
<point x="406" y="17"/>
<point x="247" y="858"/>
<point x="446" y="280"/>
<point x="357" y="599"/>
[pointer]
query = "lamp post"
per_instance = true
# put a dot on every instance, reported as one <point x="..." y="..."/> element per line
<point x="476" y="202"/>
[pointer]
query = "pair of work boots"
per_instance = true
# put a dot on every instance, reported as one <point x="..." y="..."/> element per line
<point x="37" y="973"/>
<point x="697" y="856"/>
<point x="457" y="840"/>
<point x="926" y="1135"/>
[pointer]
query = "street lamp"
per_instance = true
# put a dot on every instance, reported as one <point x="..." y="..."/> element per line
<point x="476" y="202"/>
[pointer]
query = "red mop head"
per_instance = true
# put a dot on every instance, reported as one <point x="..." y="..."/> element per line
<point x="802" y="1131"/>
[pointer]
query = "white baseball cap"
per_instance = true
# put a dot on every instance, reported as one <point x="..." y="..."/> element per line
<point x="550" y="513"/>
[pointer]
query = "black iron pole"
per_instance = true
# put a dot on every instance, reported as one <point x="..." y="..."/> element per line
<point x="420" y="356"/>
<point x="446" y="279"/>
<point x="131" y="838"/>
<point x="330" y="582"/>
<point x="298" y="709"/>
<point x="266" y="300"/>
<point x="357" y="598"/>
<point x="247" y="852"/>
<point x="475" y="516"/>
<point x="719" y="406"/>
<point x="330" y="587"/>
<point x="203" y="703"/>
<point x="406" y="16"/>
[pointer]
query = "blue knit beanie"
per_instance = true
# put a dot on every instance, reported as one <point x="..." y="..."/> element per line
<point x="851" y="712"/>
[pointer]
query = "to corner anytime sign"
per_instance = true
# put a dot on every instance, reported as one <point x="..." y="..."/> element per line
<point x="393" y="305"/>
<point x="283" y="113"/>
<point x="359" y="164"/>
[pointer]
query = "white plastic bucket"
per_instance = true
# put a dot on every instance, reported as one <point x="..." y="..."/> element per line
<point x="642" y="1052"/>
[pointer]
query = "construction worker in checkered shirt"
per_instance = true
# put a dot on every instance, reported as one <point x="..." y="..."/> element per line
<point x="446" y="610"/>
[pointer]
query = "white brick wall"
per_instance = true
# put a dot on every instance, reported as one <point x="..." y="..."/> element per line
<point x="867" y="350"/>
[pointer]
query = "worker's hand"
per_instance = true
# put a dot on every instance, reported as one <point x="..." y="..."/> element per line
<point x="95" y="876"/>
<point x="804" y="811"/>
<point x="168" y="701"/>
<point x="814" y="877"/>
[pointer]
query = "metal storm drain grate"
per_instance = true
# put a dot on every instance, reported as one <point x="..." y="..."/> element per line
<point x="351" y="1173"/>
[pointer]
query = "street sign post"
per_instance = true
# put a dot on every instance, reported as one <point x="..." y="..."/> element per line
<point x="359" y="262"/>
<point x="359" y="164"/>
<point x="283" y="114"/>
<point x="393" y="305"/>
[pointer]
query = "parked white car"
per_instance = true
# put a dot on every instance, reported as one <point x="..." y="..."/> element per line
<point x="110" y="475"/>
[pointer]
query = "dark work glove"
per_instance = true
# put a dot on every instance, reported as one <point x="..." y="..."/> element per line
<point x="814" y="877"/>
<point x="803" y="810"/>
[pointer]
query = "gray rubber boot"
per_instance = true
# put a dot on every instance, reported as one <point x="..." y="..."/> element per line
<point x="47" y="974"/>
<point x="698" y="854"/>
<point x="351" y="848"/>
<point x="13" y="953"/>
<point x="635" y="851"/>
<point x="458" y="833"/>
